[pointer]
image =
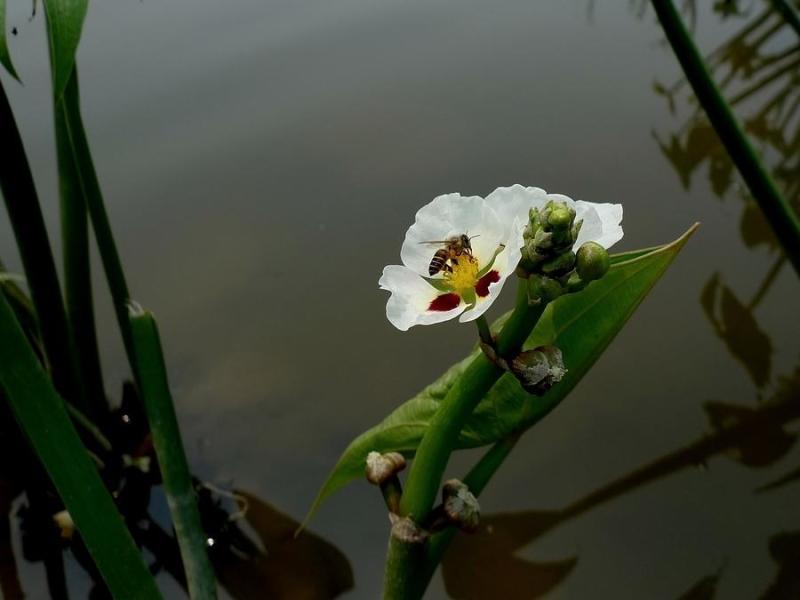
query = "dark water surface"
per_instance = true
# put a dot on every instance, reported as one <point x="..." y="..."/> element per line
<point x="261" y="162"/>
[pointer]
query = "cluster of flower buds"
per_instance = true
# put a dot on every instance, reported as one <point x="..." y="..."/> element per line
<point x="549" y="261"/>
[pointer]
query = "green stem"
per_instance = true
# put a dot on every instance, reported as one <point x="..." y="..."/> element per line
<point x="93" y="197"/>
<point x="25" y="214"/>
<point x="777" y="211"/>
<point x="404" y="561"/>
<point x="77" y="270"/>
<point x="154" y="389"/>
<point x="483" y="330"/>
<point x="43" y="418"/>
<point x="434" y="450"/>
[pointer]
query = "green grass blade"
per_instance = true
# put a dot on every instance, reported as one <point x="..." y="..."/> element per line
<point x="5" y="55"/>
<point x="777" y="211"/>
<point x="181" y="496"/>
<point x="27" y="222"/>
<point x="64" y="25"/>
<point x="77" y="269"/>
<point x="86" y="179"/>
<point x="43" y="418"/>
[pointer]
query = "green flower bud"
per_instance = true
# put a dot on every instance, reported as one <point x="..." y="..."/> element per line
<point x="560" y="265"/>
<point x="561" y="217"/>
<point x="592" y="261"/>
<point x="576" y="229"/>
<point x="575" y="284"/>
<point x="460" y="506"/>
<point x="542" y="241"/>
<point x="540" y="369"/>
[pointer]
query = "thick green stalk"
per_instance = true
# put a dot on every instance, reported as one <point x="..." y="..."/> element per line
<point x="86" y="178"/>
<point x="43" y="418"/>
<point x="27" y="222"/>
<point x="154" y="389"/>
<point x="405" y="563"/>
<point x="434" y="450"/>
<point x="777" y="211"/>
<point x="77" y="269"/>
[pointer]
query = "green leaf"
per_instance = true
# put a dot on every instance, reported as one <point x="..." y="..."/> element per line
<point x="64" y="24"/>
<point x="42" y="416"/>
<point x="5" y="55"/>
<point x="582" y="325"/>
<point x="27" y="222"/>
<point x="154" y="389"/>
<point x="79" y="178"/>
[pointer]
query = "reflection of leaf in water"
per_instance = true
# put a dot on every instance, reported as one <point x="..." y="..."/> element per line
<point x="790" y="477"/>
<point x="761" y="447"/>
<point x="705" y="589"/>
<point x="720" y="174"/>
<point x="735" y="324"/>
<point x="303" y="568"/>
<point x="701" y="143"/>
<point x="785" y="550"/>
<point x="482" y="566"/>
<point x="754" y="227"/>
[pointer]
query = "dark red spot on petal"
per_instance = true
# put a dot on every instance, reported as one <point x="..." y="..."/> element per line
<point x="482" y="287"/>
<point x="445" y="302"/>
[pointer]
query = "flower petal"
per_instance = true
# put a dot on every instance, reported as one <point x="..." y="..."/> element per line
<point x="411" y="299"/>
<point x="445" y="217"/>
<point x="514" y="202"/>
<point x="601" y="223"/>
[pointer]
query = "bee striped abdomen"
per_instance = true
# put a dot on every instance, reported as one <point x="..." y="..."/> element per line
<point x="438" y="262"/>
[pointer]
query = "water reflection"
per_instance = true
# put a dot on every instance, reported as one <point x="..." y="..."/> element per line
<point x="705" y="589"/>
<point x="298" y="126"/>
<point x="759" y="69"/>
<point x="277" y="565"/>
<point x="754" y="437"/>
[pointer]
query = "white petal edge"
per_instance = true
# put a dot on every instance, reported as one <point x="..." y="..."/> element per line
<point x="514" y="202"/>
<point x="410" y="299"/>
<point x="606" y="223"/>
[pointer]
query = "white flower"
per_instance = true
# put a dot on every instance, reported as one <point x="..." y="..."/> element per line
<point x="471" y="279"/>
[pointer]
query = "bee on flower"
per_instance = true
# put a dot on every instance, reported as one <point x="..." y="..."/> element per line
<point x="460" y="250"/>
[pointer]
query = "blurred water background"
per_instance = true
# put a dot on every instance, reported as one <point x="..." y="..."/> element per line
<point x="261" y="162"/>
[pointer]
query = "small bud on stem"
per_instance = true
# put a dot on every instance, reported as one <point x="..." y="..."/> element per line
<point x="382" y="470"/>
<point x="592" y="261"/>
<point x="540" y="369"/>
<point x="459" y="508"/>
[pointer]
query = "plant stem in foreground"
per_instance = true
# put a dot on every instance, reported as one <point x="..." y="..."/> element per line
<point x="777" y="211"/>
<point x="434" y="450"/>
<point x="181" y="497"/>
<point x="25" y="214"/>
<point x="406" y="561"/>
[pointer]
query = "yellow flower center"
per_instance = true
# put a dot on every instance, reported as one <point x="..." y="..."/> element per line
<point x="464" y="275"/>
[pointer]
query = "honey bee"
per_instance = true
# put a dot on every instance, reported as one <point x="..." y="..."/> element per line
<point x="454" y="247"/>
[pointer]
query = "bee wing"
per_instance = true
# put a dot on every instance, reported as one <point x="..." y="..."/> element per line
<point x="436" y="242"/>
